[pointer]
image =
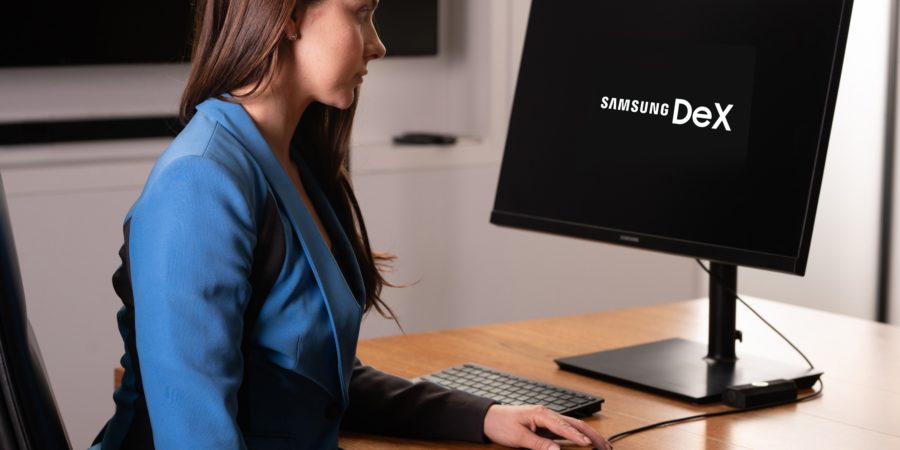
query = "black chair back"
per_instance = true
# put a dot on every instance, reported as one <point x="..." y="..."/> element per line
<point x="29" y="417"/>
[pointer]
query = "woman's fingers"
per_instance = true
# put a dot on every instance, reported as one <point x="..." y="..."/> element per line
<point x="539" y="443"/>
<point x="554" y="422"/>
<point x="598" y="441"/>
<point x="519" y="426"/>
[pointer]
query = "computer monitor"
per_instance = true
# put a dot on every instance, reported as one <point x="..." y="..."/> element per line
<point x="693" y="127"/>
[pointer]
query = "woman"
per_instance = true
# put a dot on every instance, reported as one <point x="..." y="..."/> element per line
<point x="246" y="267"/>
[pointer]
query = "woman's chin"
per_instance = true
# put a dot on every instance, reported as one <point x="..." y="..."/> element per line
<point x="341" y="101"/>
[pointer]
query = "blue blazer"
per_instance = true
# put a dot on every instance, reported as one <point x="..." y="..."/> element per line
<point x="185" y="281"/>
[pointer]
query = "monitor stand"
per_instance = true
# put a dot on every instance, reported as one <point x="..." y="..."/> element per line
<point x="689" y="370"/>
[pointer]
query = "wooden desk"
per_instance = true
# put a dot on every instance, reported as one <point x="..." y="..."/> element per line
<point x="859" y="409"/>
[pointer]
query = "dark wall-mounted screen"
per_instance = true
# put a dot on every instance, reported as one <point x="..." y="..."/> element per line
<point x="408" y="27"/>
<point x="57" y="32"/>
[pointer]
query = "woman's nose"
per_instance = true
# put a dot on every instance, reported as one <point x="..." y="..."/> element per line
<point x="374" y="47"/>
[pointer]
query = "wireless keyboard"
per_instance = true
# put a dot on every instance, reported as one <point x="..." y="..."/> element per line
<point x="510" y="389"/>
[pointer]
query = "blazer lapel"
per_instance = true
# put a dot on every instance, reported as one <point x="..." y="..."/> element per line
<point x="343" y="308"/>
<point x="340" y="241"/>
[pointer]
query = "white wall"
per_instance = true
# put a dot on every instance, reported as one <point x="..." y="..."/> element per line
<point x="67" y="223"/>
<point x="447" y="93"/>
<point x="471" y="272"/>
<point x="843" y="259"/>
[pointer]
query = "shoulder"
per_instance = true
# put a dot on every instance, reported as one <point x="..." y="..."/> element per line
<point x="205" y="159"/>
<point x="206" y="142"/>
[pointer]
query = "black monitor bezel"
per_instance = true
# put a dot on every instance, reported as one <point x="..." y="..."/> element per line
<point x="728" y="255"/>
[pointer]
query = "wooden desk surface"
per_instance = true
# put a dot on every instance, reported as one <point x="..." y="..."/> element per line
<point x="859" y="409"/>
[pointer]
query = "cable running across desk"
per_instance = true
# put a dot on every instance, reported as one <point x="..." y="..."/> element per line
<point x="625" y="434"/>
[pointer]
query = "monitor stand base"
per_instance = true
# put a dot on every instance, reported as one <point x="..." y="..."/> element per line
<point x="678" y="368"/>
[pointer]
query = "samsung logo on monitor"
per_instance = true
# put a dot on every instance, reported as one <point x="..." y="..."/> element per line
<point x="632" y="239"/>
<point x="682" y="111"/>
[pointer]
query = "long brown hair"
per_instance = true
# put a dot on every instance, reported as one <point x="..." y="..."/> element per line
<point x="236" y="44"/>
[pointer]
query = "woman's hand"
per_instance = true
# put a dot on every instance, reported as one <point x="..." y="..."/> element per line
<point x="516" y="426"/>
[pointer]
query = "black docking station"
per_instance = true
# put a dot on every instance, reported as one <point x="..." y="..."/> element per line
<point x="760" y="393"/>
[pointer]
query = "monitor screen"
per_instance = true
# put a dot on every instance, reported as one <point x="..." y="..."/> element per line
<point x="696" y="127"/>
<point x="57" y="32"/>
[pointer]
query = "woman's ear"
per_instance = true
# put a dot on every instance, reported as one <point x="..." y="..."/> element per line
<point x="291" y="31"/>
<point x="292" y="25"/>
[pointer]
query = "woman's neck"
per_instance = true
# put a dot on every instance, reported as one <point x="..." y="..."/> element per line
<point x="276" y="111"/>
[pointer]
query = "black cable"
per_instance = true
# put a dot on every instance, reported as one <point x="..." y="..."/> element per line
<point x="665" y="423"/>
<point x="627" y="433"/>
<point x="732" y="292"/>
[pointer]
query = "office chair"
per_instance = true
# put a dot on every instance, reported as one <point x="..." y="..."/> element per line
<point x="29" y="417"/>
